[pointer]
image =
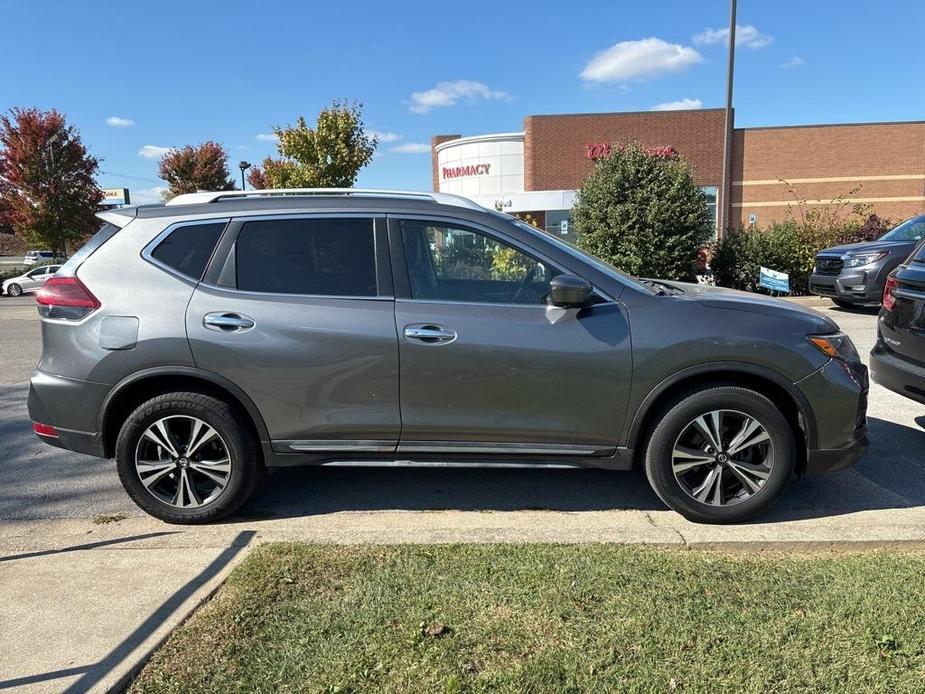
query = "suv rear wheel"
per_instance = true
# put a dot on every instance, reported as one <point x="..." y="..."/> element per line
<point x="187" y="458"/>
<point x="720" y="455"/>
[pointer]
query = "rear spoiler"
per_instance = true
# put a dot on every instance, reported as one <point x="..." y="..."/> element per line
<point x="118" y="217"/>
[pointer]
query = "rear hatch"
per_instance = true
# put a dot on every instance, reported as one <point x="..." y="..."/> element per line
<point x="902" y="321"/>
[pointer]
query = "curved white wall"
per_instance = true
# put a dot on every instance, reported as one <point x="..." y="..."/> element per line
<point x="484" y="165"/>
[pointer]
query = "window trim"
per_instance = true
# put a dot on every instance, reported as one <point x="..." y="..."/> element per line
<point x="147" y="252"/>
<point x="400" y="266"/>
<point x="225" y="252"/>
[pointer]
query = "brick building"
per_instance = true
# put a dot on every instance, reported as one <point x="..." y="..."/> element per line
<point x="537" y="170"/>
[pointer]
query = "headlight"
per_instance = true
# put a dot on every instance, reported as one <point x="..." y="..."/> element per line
<point x="861" y="260"/>
<point x="835" y="346"/>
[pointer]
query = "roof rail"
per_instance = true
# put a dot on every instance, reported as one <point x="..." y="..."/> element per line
<point x="218" y="195"/>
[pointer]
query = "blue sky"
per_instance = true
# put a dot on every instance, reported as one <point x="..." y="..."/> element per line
<point x="171" y="73"/>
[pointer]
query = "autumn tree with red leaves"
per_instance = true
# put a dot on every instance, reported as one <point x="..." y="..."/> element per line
<point x="196" y="167"/>
<point x="48" y="193"/>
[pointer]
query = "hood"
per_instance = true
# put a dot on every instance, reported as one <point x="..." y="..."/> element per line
<point x="735" y="300"/>
<point x="869" y="247"/>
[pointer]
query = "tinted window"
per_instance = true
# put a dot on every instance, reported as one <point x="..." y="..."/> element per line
<point x="187" y="249"/>
<point x="919" y="253"/>
<point x="328" y="257"/>
<point x="456" y="264"/>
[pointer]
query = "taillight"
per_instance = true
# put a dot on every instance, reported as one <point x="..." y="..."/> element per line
<point x="889" y="301"/>
<point x="66" y="298"/>
<point x="46" y="430"/>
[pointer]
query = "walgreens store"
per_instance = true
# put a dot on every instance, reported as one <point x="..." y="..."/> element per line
<point x="537" y="171"/>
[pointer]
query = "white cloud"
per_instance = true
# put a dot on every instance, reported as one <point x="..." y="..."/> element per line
<point x="448" y="93"/>
<point x="795" y="61"/>
<point x="268" y="137"/>
<point x="153" y="151"/>
<point x="411" y="148"/>
<point x="117" y="122"/>
<point x="680" y="105"/>
<point x="384" y="136"/>
<point x="746" y="35"/>
<point x="148" y="196"/>
<point x="629" y="60"/>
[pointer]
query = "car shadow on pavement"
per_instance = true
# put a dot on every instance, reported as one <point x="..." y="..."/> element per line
<point x="862" y="310"/>
<point x="895" y="479"/>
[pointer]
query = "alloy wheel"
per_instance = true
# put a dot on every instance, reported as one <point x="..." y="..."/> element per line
<point x="722" y="457"/>
<point x="183" y="462"/>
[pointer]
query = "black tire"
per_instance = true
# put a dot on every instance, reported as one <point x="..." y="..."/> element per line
<point x="235" y="435"/>
<point x="14" y="290"/>
<point x="673" y="421"/>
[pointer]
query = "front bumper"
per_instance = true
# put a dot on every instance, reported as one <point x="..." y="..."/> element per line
<point x="837" y="394"/>
<point x="834" y="459"/>
<point x="897" y="374"/>
<point x="844" y="286"/>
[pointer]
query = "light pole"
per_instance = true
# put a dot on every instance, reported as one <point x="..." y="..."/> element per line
<point x="727" y="135"/>
<point x="49" y="146"/>
<point x="244" y="166"/>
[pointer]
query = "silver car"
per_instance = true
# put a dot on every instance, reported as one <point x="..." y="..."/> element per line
<point x="343" y="327"/>
<point x="29" y="282"/>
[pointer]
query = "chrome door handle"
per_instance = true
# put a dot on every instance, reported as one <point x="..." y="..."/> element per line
<point x="228" y="322"/>
<point x="429" y="333"/>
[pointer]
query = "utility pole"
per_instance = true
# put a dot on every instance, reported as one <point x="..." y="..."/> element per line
<point x="724" y="206"/>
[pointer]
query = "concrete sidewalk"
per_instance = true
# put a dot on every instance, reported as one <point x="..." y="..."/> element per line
<point x="84" y="604"/>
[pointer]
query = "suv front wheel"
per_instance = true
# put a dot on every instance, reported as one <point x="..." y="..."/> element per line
<point x="720" y="455"/>
<point x="187" y="458"/>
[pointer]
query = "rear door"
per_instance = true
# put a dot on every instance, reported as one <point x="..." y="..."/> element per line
<point x="487" y="367"/>
<point x="298" y="312"/>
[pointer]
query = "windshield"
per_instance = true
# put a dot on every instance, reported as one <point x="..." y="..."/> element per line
<point x="594" y="261"/>
<point x="910" y="230"/>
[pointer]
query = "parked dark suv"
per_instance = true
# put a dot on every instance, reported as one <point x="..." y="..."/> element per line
<point x="856" y="273"/>
<point x="898" y="358"/>
<point x="200" y="341"/>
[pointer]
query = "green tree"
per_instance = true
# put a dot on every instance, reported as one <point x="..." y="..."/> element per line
<point x="330" y="155"/>
<point x="48" y="194"/>
<point x="641" y="211"/>
<point x="196" y="167"/>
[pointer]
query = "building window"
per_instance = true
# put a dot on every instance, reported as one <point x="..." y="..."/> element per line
<point x="710" y="193"/>
<point x="559" y="224"/>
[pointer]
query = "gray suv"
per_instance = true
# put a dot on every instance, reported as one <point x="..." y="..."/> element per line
<point x="856" y="273"/>
<point x="342" y="326"/>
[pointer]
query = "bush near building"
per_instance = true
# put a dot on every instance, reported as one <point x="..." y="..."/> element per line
<point x="790" y="246"/>
<point x="641" y="211"/>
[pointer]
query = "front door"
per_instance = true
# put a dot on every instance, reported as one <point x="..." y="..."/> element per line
<point x="486" y="365"/>
<point x="302" y="320"/>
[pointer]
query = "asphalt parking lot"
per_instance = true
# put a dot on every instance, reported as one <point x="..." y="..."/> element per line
<point x="41" y="482"/>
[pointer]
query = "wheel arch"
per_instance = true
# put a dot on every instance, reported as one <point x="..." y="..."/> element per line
<point x="133" y="390"/>
<point x="794" y="405"/>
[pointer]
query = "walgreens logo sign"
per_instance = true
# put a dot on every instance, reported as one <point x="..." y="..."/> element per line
<point x="462" y="171"/>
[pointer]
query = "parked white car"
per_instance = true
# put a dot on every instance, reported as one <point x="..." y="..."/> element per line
<point x="29" y="281"/>
<point x="33" y="257"/>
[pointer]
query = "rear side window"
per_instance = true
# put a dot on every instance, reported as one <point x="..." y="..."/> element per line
<point x="187" y="249"/>
<point x="322" y="257"/>
<point x="919" y="254"/>
<point x="106" y="232"/>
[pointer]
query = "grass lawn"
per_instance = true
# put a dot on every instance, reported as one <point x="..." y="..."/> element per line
<point x="551" y="618"/>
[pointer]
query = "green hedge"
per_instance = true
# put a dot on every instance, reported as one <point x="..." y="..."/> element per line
<point x="789" y="247"/>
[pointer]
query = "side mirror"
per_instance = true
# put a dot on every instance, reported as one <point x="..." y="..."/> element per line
<point x="569" y="291"/>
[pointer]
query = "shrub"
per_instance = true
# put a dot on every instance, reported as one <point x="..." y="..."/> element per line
<point x="738" y="257"/>
<point x="791" y="246"/>
<point x="642" y="212"/>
